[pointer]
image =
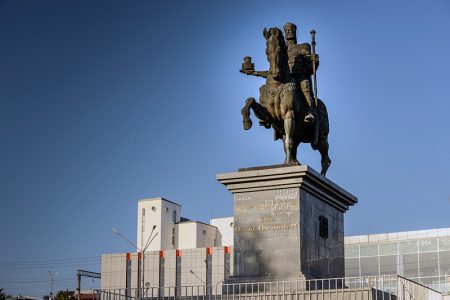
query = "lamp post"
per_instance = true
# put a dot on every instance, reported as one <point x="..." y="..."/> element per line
<point x="147" y="244"/>
<point x="205" y="284"/>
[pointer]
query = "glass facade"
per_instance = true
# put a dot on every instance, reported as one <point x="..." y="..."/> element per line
<point x="425" y="260"/>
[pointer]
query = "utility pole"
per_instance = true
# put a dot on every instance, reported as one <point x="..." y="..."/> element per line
<point x="84" y="273"/>
<point x="79" y="284"/>
<point x="51" y="285"/>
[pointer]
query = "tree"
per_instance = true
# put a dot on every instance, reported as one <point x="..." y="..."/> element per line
<point x="2" y="294"/>
<point x="64" y="295"/>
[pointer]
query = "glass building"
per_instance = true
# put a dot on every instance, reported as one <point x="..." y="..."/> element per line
<point x="423" y="256"/>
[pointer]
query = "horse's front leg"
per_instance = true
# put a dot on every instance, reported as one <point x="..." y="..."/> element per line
<point x="245" y="111"/>
<point x="289" y="125"/>
<point x="265" y="119"/>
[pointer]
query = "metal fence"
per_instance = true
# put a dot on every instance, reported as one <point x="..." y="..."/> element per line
<point x="390" y="287"/>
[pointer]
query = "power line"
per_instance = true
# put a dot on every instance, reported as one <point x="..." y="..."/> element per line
<point x="75" y="264"/>
<point x="50" y="260"/>
<point x="36" y="281"/>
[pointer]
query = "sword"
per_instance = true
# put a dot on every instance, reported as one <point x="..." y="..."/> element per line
<point x="313" y="44"/>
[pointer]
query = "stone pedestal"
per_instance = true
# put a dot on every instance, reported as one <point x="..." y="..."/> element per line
<point x="288" y="223"/>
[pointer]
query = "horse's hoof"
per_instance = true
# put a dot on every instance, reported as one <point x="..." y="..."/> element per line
<point x="293" y="162"/>
<point x="247" y="124"/>
<point x="249" y="100"/>
<point x="325" y="167"/>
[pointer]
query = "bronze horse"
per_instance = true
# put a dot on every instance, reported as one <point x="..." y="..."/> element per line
<point x="282" y="105"/>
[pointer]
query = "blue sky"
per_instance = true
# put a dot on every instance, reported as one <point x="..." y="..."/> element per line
<point x="107" y="102"/>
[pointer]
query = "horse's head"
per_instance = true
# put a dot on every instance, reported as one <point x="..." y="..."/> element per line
<point x="276" y="52"/>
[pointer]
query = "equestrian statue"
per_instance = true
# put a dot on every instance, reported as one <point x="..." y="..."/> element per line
<point x="286" y="102"/>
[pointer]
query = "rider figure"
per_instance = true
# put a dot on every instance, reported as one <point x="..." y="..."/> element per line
<point x="301" y="66"/>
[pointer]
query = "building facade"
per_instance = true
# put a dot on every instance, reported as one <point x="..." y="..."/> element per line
<point x="167" y="268"/>
<point x="422" y="256"/>
<point x="183" y="252"/>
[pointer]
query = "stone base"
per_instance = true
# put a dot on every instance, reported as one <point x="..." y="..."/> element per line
<point x="288" y="223"/>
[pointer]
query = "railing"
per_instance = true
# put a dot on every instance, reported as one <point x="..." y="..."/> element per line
<point x="409" y="290"/>
<point x="438" y="283"/>
<point x="391" y="287"/>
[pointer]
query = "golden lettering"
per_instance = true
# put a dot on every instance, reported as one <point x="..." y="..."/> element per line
<point x="267" y="227"/>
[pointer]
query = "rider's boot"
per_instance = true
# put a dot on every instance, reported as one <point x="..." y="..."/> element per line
<point x="309" y="117"/>
<point x="305" y="86"/>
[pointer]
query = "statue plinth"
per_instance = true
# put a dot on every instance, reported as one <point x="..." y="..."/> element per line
<point x="288" y="223"/>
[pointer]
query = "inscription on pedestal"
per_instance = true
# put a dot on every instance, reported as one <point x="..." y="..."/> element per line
<point x="267" y="233"/>
<point x="288" y="223"/>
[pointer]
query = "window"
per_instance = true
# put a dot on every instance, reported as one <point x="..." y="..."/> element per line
<point x="428" y="245"/>
<point x="444" y="243"/>
<point x="410" y="264"/>
<point x="173" y="236"/>
<point x="388" y="249"/>
<point x="174" y="216"/>
<point x="444" y="260"/>
<point x="351" y="267"/>
<point x="428" y="264"/>
<point x="351" y="251"/>
<point x="369" y="249"/>
<point x="369" y="266"/>
<point x="143" y="215"/>
<point x="323" y="227"/>
<point x="388" y="264"/>
<point x="408" y="247"/>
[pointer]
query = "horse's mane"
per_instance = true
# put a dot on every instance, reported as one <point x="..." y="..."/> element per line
<point x="283" y="45"/>
<point x="280" y="37"/>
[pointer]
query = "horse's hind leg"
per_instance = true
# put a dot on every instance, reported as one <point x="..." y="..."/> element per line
<point x="289" y="126"/>
<point x="295" y="150"/>
<point x="326" y="161"/>
<point x="245" y="111"/>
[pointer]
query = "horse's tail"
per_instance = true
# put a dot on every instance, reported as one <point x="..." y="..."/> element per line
<point x="323" y="119"/>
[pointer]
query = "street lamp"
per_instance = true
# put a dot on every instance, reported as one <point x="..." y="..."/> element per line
<point x="193" y="273"/>
<point x="147" y="244"/>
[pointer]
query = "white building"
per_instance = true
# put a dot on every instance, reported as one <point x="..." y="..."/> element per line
<point x="225" y="231"/>
<point x="194" y="234"/>
<point x="157" y="217"/>
<point x="161" y="227"/>
<point x="177" y="250"/>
